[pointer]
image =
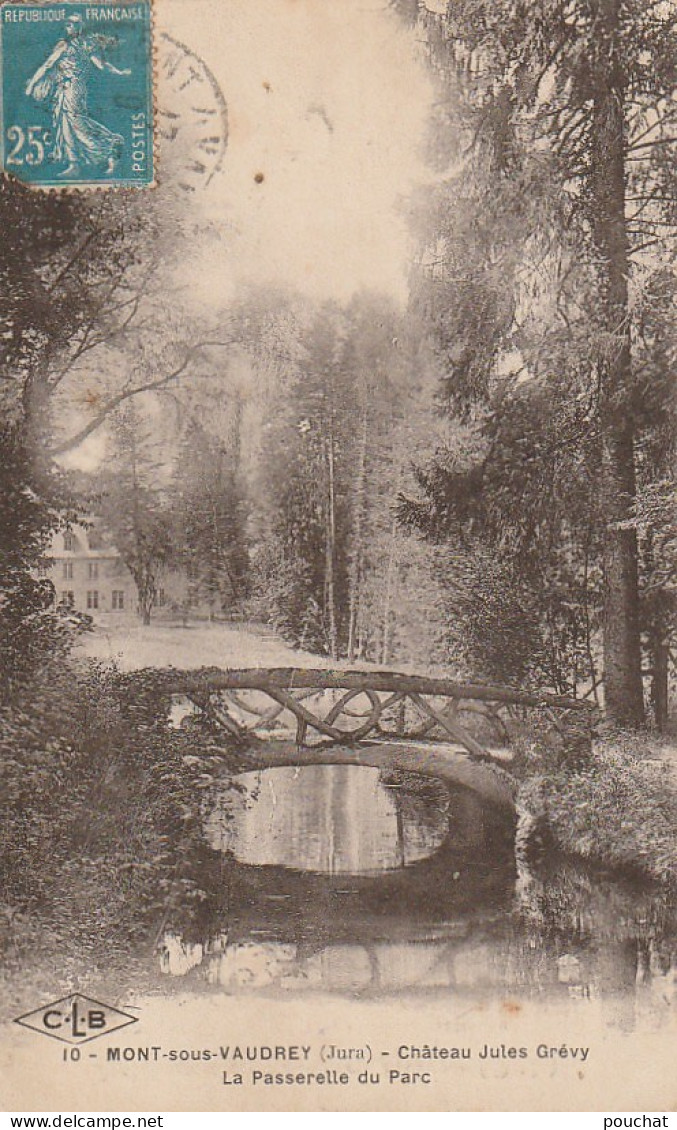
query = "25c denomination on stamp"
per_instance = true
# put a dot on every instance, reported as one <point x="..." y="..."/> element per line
<point x="77" y="94"/>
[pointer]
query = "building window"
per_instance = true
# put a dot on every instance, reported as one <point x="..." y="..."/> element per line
<point x="93" y="570"/>
<point x="67" y="599"/>
<point x="161" y="598"/>
<point x="118" y="600"/>
<point x="93" y="599"/>
<point x="68" y="570"/>
<point x="68" y="543"/>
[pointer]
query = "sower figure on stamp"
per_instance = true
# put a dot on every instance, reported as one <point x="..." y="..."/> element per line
<point x="62" y="80"/>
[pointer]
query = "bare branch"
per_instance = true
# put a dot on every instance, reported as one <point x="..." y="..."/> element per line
<point x="669" y="116"/>
<point x="128" y="393"/>
<point x="72" y="261"/>
<point x="650" y="145"/>
<point x="643" y="246"/>
<point x="87" y="344"/>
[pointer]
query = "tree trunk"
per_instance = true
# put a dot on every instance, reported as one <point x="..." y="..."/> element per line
<point x="660" y="649"/>
<point x="623" y="694"/>
<point x="592" y="668"/>
<point x="390" y="578"/>
<point x="388" y="593"/>
<point x="330" y="548"/>
<point x="623" y="690"/>
<point x="146" y="590"/>
<point x="358" y="529"/>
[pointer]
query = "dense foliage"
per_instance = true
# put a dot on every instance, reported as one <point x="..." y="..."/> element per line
<point x="101" y="839"/>
<point x="62" y="262"/>
<point x="333" y="571"/>
<point x="546" y="245"/>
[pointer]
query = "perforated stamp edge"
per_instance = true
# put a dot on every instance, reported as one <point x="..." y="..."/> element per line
<point x="85" y="187"/>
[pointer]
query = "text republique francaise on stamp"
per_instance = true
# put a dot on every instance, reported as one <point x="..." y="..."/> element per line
<point x="77" y="94"/>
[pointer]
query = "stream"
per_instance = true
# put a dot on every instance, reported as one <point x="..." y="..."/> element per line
<point x="340" y="879"/>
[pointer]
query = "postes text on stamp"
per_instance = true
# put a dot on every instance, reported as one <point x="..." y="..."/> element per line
<point x="77" y="94"/>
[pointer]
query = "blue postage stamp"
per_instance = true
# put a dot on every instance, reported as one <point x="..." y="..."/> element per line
<point x="77" y="94"/>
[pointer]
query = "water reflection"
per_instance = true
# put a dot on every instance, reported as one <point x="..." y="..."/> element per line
<point x="329" y="879"/>
<point x="473" y="969"/>
<point x="328" y="818"/>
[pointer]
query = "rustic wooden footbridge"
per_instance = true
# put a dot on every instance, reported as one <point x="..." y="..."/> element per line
<point x="462" y="733"/>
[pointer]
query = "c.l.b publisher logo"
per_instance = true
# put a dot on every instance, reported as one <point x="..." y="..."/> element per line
<point x="75" y="1019"/>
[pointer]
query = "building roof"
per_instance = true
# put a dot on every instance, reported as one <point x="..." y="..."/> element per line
<point x="91" y="543"/>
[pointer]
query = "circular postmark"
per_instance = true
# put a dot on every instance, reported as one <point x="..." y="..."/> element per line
<point x="192" y="116"/>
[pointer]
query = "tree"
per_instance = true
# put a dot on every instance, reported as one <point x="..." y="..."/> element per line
<point x="654" y="514"/>
<point x="303" y="479"/>
<point x="81" y="334"/>
<point x="57" y="253"/>
<point x="334" y="570"/>
<point x="136" y="509"/>
<point x="564" y="196"/>
<point x="511" y="504"/>
<point x="208" y="495"/>
<point x="30" y="632"/>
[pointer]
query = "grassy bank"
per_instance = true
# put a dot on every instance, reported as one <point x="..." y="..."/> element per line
<point x="618" y="809"/>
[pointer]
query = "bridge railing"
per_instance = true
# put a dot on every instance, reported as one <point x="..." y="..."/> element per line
<point x="350" y="707"/>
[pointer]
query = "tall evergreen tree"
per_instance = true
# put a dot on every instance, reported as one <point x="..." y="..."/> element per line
<point x="565" y="166"/>
<point x="211" y="512"/>
<point x="136" y="507"/>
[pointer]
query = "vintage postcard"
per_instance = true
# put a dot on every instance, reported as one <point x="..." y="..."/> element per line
<point x="338" y="732"/>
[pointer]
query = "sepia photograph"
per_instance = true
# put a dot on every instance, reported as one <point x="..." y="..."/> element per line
<point x="338" y="555"/>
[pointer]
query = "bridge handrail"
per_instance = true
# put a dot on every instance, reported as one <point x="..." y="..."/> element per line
<point x="291" y="678"/>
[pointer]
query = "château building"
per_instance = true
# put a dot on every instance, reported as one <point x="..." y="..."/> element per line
<point x="89" y="575"/>
<point x="88" y="572"/>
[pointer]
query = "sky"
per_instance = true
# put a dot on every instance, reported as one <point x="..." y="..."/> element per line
<point x="328" y="101"/>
